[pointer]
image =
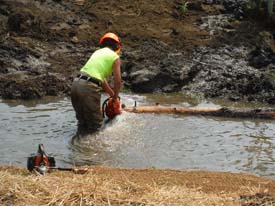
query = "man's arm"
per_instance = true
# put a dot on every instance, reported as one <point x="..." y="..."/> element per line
<point x="117" y="81"/>
<point x="117" y="77"/>
<point x="106" y="87"/>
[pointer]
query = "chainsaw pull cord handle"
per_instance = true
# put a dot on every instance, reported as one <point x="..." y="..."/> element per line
<point x="41" y="151"/>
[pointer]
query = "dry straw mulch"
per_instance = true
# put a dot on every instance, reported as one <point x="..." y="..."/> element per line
<point x="109" y="186"/>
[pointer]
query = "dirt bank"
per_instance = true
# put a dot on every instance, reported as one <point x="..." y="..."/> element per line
<point x="106" y="186"/>
<point x="208" y="48"/>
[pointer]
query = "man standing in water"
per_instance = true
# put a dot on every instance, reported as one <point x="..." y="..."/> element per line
<point x="87" y="87"/>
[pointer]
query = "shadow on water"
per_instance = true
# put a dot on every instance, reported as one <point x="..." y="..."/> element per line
<point x="140" y="140"/>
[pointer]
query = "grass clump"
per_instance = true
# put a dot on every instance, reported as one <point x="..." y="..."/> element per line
<point x="184" y="7"/>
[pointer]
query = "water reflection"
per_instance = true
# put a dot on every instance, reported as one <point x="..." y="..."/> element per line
<point x="139" y="140"/>
<point x="25" y="124"/>
<point x="260" y="149"/>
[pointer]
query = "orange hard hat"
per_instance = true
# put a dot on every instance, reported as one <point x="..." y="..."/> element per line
<point x="112" y="36"/>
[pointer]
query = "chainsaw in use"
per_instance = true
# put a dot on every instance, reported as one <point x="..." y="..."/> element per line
<point x="111" y="107"/>
<point x="41" y="163"/>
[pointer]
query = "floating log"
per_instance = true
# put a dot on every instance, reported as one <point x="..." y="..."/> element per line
<point x="206" y="111"/>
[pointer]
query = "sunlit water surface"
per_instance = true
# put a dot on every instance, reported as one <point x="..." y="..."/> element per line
<point x="139" y="140"/>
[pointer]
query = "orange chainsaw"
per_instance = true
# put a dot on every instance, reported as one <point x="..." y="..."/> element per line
<point x="42" y="163"/>
<point x="111" y="107"/>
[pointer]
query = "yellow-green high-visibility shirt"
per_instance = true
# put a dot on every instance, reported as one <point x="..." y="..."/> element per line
<point x="100" y="64"/>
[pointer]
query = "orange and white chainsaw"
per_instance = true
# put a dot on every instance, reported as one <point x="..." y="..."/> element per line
<point x="42" y="163"/>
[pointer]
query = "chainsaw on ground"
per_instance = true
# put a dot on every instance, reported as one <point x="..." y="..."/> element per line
<point x="42" y="163"/>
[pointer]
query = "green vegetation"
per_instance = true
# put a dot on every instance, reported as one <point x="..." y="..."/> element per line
<point x="270" y="7"/>
<point x="254" y="4"/>
<point x="184" y="8"/>
<point x="257" y="5"/>
<point x="271" y="76"/>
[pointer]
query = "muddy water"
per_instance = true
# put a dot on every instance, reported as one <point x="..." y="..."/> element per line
<point x="139" y="140"/>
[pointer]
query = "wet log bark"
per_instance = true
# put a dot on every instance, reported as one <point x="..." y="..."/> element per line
<point x="206" y="111"/>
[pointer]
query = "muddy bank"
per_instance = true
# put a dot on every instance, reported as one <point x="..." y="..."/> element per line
<point x="210" y="49"/>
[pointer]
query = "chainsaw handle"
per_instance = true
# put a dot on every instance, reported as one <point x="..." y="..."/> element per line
<point x="41" y="149"/>
<point x="104" y="105"/>
<point x="118" y="97"/>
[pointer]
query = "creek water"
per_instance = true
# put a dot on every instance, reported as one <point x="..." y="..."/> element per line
<point x="140" y="140"/>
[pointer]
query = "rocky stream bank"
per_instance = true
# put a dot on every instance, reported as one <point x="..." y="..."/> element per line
<point x="210" y="48"/>
<point x="213" y="48"/>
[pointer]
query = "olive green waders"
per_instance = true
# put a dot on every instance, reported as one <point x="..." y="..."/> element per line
<point x="85" y="97"/>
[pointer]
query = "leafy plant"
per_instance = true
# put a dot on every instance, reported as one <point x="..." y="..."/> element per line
<point x="272" y="76"/>
<point x="153" y="168"/>
<point x="257" y="5"/>
<point x="184" y="8"/>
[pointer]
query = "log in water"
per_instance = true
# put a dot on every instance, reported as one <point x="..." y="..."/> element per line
<point x="209" y="111"/>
